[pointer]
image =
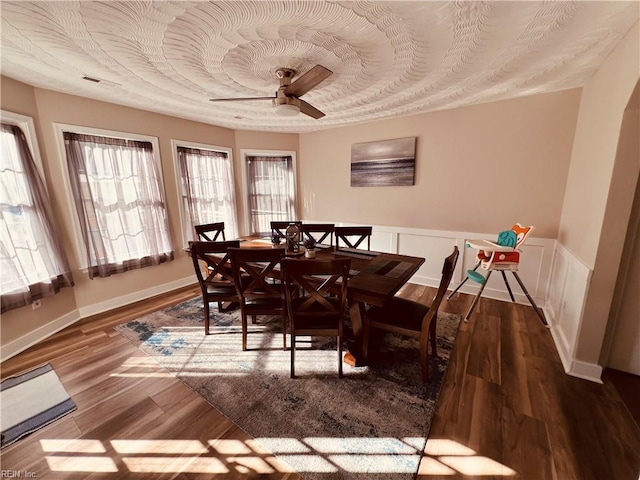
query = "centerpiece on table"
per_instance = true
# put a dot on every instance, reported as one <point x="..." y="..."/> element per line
<point x="310" y="248"/>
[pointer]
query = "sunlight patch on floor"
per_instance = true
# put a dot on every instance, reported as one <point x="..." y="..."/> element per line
<point x="175" y="465"/>
<point x="72" y="445"/>
<point x="448" y="457"/>
<point x="392" y="463"/>
<point x="221" y="456"/>
<point x="81" y="464"/>
<point x="477" y="465"/>
<point x="183" y="447"/>
<point x="351" y="446"/>
<point x="264" y="353"/>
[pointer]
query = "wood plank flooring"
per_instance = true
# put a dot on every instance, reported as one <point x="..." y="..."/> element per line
<point x="506" y="409"/>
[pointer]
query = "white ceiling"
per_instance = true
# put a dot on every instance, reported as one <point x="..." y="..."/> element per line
<point x="389" y="58"/>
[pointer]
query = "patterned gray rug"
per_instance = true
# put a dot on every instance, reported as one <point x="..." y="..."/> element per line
<point x="373" y="423"/>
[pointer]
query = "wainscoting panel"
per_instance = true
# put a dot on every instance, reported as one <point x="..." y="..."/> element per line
<point x="569" y="284"/>
<point x="433" y="248"/>
<point x="435" y="245"/>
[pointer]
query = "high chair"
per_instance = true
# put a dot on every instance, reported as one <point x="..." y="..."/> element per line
<point x="502" y="256"/>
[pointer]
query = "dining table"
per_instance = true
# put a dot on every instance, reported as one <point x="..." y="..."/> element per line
<point x="374" y="278"/>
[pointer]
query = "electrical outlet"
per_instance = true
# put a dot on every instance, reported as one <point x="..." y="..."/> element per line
<point x="36" y="304"/>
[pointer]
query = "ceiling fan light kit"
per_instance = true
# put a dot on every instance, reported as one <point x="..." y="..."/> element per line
<point x="287" y="110"/>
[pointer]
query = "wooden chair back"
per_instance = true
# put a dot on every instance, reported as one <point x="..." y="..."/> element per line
<point x="316" y="295"/>
<point x="411" y="318"/>
<point x="280" y="227"/>
<point x="211" y="263"/>
<point x="319" y="232"/>
<point x="448" y="267"/>
<point x="210" y="232"/>
<point x="353" y="237"/>
<point x="254" y="271"/>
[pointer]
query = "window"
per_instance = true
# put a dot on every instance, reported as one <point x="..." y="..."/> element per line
<point x="118" y="194"/>
<point x="271" y="191"/>
<point x="207" y="189"/>
<point x="32" y="260"/>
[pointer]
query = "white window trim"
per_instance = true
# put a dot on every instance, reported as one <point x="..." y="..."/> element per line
<point x="178" y="177"/>
<point x="59" y="129"/>
<point x="244" y="153"/>
<point x="29" y="129"/>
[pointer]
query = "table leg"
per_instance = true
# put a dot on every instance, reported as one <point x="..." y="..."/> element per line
<point x="353" y="356"/>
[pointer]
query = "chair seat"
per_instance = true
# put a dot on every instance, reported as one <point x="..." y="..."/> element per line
<point x="221" y="288"/>
<point x="399" y="312"/>
<point x="263" y="302"/>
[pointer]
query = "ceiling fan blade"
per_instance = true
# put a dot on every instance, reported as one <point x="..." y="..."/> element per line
<point x="310" y="110"/>
<point x="307" y="81"/>
<point x="239" y="99"/>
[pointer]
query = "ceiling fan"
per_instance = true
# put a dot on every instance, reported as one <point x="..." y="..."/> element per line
<point x="287" y="101"/>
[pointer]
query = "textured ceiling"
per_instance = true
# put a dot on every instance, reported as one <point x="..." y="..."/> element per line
<point x="388" y="58"/>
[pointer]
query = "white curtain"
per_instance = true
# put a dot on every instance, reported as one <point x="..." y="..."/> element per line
<point x="120" y="202"/>
<point x="208" y="191"/>
<point x="272" y="195"/>
<point x="32" y="261"/>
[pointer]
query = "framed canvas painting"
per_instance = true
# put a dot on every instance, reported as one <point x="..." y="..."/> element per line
<point x="383" y="163"/>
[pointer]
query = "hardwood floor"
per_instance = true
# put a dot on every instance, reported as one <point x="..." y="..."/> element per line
<point x="506" y="409"/>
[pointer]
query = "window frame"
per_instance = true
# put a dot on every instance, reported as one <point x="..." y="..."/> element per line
<point x="178" y="178"/>
<point x="28" y="127"/>
<point x="60" y="128"/>
<point x="244" y="153"/>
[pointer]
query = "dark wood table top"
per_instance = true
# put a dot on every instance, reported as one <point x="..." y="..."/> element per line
<point x="376" y="276"/>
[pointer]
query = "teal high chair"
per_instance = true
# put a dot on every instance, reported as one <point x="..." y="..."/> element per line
<point x="501" y="256"/>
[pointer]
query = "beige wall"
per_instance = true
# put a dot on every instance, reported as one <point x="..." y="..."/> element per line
<point x="600" y="188"/>
<point x="603" y="102"/>
<point x="478" y="169"/>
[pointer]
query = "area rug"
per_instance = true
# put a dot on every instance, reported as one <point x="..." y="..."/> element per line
<point x="373" y="422"/>
<point x="30" y="401"/>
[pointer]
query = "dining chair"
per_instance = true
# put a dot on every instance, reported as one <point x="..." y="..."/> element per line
<point x="353" y="237"/>
<point x="315" y="312"/>
<point x="210" y="232"/>
<point x="410" y="318"/>
<point x="280" y="227"/>
<point x="258" y="292"/>
<point x="214" y="274"/>
<point x="321" y="233"/>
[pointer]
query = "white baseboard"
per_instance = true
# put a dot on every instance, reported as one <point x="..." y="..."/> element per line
<point x="20" y="344"/>
<point x="136" y="296"/>
<point x="562" y="346"/>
